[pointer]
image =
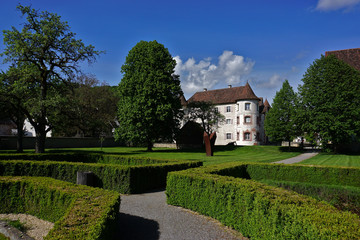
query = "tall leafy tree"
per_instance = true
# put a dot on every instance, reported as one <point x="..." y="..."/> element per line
<point x="149" y="104"/>
<point x="330" y="97"/>
<point x="280" y="121"/>
<point x="46" y="55"/>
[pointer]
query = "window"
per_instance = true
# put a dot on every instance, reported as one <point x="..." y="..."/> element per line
<point x="237" y="120"/>
<point x="247" y="106"/>
<point x="228" y="136"/>
<point x="237" y="136"/>
<point x="228" y="121"/>
<point x="247" y="119"/>
<point x="228" y="109"/>
<point x="247" y="136"/>
<point x="216" y="110"/>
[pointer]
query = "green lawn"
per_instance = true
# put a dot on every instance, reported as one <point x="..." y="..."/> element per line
<point x="221" y="155"/>
<point x="334" y="160"/>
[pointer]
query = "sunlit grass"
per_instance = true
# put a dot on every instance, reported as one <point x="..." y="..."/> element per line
<point x="334" y="160"/>
<point x="222" y="153"/>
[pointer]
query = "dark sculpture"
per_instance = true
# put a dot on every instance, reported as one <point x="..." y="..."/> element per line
<point x="209" y="142"/>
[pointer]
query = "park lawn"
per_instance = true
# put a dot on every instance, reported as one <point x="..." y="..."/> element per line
<point x="342" y="160"/>
<point x="222" y="154"/>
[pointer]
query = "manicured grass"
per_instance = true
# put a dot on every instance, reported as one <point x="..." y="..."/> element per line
<point x="222" y="154"/>
<point x="334" y="160"/>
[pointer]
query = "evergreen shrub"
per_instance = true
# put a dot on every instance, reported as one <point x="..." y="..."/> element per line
<point x="78" y="211"/>
<point x="227" y="192"/>
<point x="122" y="174"/>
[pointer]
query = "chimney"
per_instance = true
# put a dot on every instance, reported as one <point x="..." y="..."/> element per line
<point x="229" y="86"/>
<point x="205" y="89"/>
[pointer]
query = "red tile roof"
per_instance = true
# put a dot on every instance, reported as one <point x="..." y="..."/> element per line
<point x="226" y="95"/>
<point x="350" y="56"/>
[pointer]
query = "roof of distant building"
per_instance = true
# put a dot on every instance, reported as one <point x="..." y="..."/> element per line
<point x="225" y="95"/>
<point x="350" y="56"/>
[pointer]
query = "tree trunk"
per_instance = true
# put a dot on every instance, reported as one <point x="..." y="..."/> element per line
<point x="40" y="139"/>
<point x="20" y="135"/>
<point x="289" y="145"/>
<point x="149" y="146"/>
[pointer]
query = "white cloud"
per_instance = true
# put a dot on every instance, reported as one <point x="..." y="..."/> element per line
<point x="273" y="82"/>
<point x="331" y="5"/>
<point x="204" y="74"/>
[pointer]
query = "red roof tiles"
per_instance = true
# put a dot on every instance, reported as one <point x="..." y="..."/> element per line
<point x="350" y="56"/>
<point x="226" y="95"/>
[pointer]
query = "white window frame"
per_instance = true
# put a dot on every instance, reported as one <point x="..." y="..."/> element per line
<point x="247" y="106"/>
<point x="228" y="109"/>
<point x="228" y="136"/>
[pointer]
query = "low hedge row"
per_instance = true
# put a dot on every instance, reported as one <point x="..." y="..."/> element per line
<point x="348" y="176"/>
<point x="79" y="212"/>
<point x="342" y="197"/>
<point x="83" y="157"/>
<point x="257" y="210"/>
<point x="122" y="178"/>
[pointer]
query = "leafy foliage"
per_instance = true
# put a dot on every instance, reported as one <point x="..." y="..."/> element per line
<point x="330" y="97"/>
<point x="207" y="113"/>
<point x="91" y="111"/>
<point x="44" y="57"/>
<point x="280" y="124"/>
<point x="149" y="106"/>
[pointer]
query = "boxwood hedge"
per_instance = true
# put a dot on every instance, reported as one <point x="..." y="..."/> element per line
<point x="227" y="193"/>
<point x="79" y="212"/>
<point x="113" y="172"/>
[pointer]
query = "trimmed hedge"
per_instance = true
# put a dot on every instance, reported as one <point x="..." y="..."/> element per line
<point x="257" y="210"/>
<point x="342" y="197"/>
<point x="79" y="212"/>
<point x="124" y="178"/>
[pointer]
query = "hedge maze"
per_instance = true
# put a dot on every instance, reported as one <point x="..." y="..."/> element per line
<point x="233" y="194"/>
<point x="78" y="211"/>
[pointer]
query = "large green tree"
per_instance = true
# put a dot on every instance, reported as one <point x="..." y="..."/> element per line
<point x="46" y="55"/>
<point x="149" y="104"/>
<point x="280" y="121"/>
<point x="330" y="97"/>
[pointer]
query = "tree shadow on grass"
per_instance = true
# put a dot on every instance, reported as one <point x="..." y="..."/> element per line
<point x="134" y="227"/>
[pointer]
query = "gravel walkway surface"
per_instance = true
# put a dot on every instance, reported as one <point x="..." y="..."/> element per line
<point x="299" y="158"/>
<point x="147" y="216"/>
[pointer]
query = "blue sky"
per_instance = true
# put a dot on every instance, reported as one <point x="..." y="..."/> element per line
<point x="215" y="43"/>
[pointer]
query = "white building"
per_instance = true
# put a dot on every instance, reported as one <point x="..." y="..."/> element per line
<point x="244" y="114"/>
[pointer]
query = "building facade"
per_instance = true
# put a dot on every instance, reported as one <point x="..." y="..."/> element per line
<point x="244" y="114"/>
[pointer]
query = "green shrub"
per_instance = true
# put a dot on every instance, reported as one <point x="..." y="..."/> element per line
<point x="79" y="212"/>
<point x="342" y="197"/>
<point x="124" y="178"/>
<point x="257" y="210"/>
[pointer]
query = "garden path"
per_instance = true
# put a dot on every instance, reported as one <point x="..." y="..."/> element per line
<point x="299" y="158"/>
<point x="147" y="216"/>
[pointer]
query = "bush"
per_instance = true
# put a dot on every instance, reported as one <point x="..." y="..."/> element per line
<point x="257" y="210"/>
<point x="342" y="197"/>
<point x="79" y="212"/>
<point x="127" y="177"/>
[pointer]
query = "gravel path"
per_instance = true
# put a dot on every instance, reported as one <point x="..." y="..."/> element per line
<point x="299" y="158"/>
<point x="147" y="216"/>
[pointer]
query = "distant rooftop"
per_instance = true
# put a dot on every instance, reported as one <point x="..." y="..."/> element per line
<point x="225" y="95"/>
<point x="350" y="56"/>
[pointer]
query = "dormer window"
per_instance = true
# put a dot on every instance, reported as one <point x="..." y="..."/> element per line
<point x="247" y="106"/>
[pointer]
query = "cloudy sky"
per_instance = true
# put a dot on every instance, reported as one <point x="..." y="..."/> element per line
<point x="215" y="43"/>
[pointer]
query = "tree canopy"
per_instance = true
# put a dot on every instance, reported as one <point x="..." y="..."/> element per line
<point x="330" y="97"/>
<point x="280" y="121"/>
<point x="207" y="113"/>
<point x="149" y="92"/>
<point x="44" y="55"/>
